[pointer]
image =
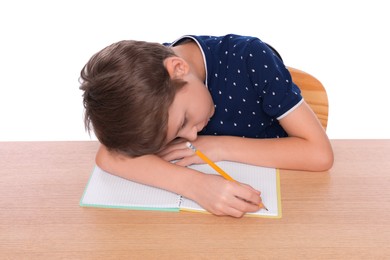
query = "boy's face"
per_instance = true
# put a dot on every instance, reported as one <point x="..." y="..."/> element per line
<point x="190" y="111"/>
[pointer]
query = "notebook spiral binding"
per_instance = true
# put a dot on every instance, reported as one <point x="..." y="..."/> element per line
<point x="180" y="200"/>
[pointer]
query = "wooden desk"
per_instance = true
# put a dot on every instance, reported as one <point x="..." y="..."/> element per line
<point x="343" y="214"/>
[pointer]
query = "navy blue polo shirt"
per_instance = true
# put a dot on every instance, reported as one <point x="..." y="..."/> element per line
<point x="250" y="86"/>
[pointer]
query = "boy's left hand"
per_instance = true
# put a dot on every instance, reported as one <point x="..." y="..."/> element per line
<point x="178" y="151"/>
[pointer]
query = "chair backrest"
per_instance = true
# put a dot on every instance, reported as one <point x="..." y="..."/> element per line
<point x="313" y="92"/>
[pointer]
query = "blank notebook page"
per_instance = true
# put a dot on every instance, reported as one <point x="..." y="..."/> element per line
<point x="106" y="190"/>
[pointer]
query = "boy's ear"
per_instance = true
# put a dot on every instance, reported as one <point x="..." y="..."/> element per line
<point x="176" y="67"/>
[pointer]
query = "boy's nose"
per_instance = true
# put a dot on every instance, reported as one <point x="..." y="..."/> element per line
<point x="192" y="134"/>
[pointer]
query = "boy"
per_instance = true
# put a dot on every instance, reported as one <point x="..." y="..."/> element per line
<point x="231" y="96"/>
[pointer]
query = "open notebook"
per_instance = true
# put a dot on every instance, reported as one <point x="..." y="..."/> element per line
<point x="109" y="191"/>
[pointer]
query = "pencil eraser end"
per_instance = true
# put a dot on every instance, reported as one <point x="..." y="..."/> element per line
<point x="189" y="145"/>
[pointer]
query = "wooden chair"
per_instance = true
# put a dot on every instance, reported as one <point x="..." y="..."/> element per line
<point x="313" y="92"/>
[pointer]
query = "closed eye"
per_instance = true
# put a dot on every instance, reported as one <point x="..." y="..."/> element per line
<point x="184" y="123"/>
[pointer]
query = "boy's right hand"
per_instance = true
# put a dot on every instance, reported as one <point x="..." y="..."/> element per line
<point x="223" y="197"/>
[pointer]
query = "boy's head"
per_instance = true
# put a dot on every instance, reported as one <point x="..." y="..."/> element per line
<point x="127" y="94"/>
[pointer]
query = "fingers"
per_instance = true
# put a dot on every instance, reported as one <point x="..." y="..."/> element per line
<point x="243" y="206"/>
<point x="250" y="189"/>
<point x="238" y="207"/>
<point x="222" y="197"/>
<point x="176" y="154"/>
<point x="175" y="151"/>
<point x="179" y="152"/>
<point x="189" y="160"/>
<point x="245" y="199"/>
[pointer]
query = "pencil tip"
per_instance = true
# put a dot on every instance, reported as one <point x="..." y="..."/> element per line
<point x="263" y="206"/>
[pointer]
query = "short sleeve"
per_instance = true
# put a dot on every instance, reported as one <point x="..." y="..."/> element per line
<point x="271" y="80"/>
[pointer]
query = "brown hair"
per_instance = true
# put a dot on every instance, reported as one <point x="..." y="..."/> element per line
<point x="127" y="94"/>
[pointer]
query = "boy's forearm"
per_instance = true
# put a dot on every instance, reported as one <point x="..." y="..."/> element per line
<point x="287" y="153"/>
<point x="307" y="146"/>
<point x="150" y="170"/>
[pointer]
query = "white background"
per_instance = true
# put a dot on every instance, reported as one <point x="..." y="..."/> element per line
<point x="44" y="45"/>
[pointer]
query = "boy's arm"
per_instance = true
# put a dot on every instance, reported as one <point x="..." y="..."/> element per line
<point x="307" y="146"/>
<point x="213" y="193"/>
<point x="142" y="169"/>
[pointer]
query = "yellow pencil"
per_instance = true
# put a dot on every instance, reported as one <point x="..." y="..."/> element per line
<point x="215" y="167"/>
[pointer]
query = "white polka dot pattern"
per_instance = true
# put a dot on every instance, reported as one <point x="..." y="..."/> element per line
<point x="249" y="84"/>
